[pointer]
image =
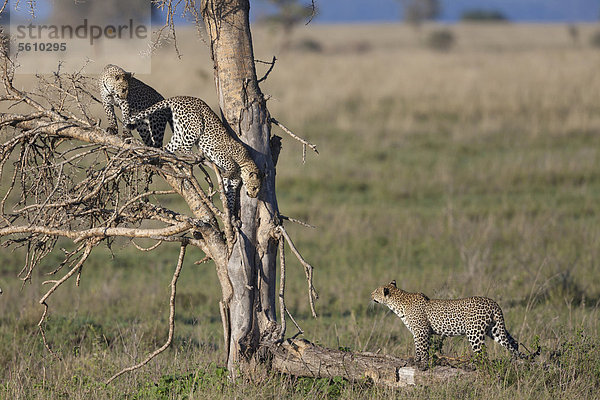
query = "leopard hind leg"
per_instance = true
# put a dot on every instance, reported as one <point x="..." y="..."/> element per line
<point x="157" y="127"/>
<point x="500" y="335"/>
<point x="143" y="128"/>
<point x="477" y="340"/>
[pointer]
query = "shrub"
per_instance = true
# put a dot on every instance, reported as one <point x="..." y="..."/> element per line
<point x="309" y="45"/>
<point x="441" y="40"/>
<point x="595" y="39"/>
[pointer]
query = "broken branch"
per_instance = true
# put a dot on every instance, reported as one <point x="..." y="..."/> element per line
<point x="298" y="138"/>
<point x="308" y="270"/>
<point x="272" y="63"/>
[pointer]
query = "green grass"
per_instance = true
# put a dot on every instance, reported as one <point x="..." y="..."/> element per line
<point x="480" y="179"/>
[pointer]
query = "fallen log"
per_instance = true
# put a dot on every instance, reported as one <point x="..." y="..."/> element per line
<point x="299" y="357"/>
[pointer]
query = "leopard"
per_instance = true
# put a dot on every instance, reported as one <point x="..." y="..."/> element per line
<point x="119" y="88"/>
<point x="474" y="317"/>
<point x="195" y="123"/>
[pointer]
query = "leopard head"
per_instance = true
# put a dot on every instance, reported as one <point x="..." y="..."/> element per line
<point x="385" y="295"/>
<point x="118" y="81"/>
<point x="121" y="85"/>
<point x="252" y="178"/>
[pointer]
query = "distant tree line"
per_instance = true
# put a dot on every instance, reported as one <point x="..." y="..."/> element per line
<point x="482" y="15"/>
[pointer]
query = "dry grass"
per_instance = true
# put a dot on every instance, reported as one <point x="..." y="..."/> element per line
<point x="473" y="171"/>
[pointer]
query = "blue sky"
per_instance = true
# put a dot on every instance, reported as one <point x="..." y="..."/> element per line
<point x="339" y="11"/>
<point x="356" y="11"/>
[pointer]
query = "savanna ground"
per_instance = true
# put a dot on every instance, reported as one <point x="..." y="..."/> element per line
<point x="469" y="172"/>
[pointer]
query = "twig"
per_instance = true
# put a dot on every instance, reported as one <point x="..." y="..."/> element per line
<point x="154" y="246"/>
<point x="272" y="63"/>
<point x="313" y="13"/>
<point x="298" y="138"/>
<point x="169" y="23"/>
<point x="300" y="331"/>
<point x="88" y="249"/>
<point x="282" y="308"/>
<point x="43" y="333"/>
<point x="206" y="198"/>
<point x="68" y="255"/>
<point x="308" y="270"/>
<point x="204" y="259"/>
<point x="3" y="6"/>
<point x="225" y="319"/>
<point x="306" y="224"/>
<point x="171" y="319"/>
<point x="142" y="195"/>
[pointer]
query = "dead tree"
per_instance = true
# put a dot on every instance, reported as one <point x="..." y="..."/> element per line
<point x="68" y="178"/>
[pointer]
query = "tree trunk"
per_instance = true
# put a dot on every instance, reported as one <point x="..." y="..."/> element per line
<point x="249" y="317"/>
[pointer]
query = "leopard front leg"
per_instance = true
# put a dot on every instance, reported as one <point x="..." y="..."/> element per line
<point x="422" y="340"/>
<point x="127" y="125"/>
<point x="231" y="185"/>
<point x="109" y="109"/>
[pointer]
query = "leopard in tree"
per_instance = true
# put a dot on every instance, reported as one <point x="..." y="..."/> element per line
<point x="119" y="88"/>
<point x="195" y="123"/>
<point x="474" y="317"/>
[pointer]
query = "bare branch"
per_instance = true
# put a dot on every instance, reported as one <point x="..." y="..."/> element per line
<point x="297" y="221"/>
<point x="313" y="12"/>
<point x="300" y="330"/>
<point x="154" y="246"/>
<point x="171" y="7"/>
<point x="282" y="307"/>
<point x="88" y="249"/>
<point x="43" y="333"/>
<point x="171" y="319"/>
<point x="78" y="236"/>
<point x="298" y="138"/>
<point x="204" y="259"/>
<point x="5" y="3"/>
<point x="272" y="64"/>
<point x="308" y="270"/>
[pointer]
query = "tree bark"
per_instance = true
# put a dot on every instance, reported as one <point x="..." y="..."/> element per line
<point x="249" y="317"/>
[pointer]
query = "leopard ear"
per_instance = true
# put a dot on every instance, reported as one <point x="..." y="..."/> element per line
<point x="386" y="291"/>
<point x="128" y="75"/>
<point x="393" y="283"/>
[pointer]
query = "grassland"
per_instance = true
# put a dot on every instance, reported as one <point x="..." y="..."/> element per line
<point x="472" y="171"/>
